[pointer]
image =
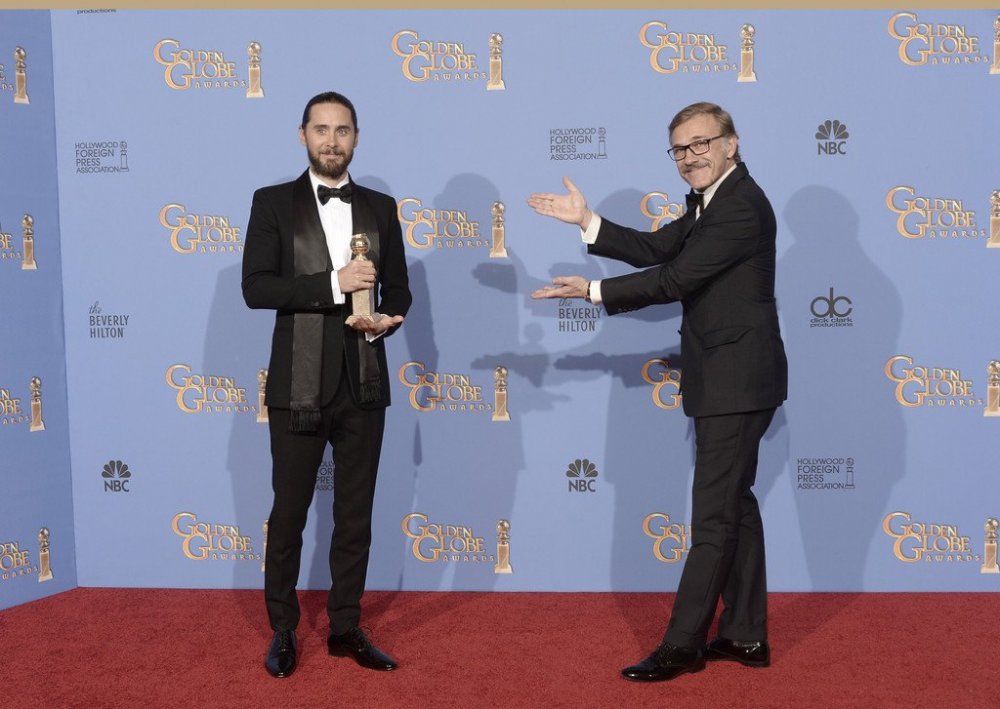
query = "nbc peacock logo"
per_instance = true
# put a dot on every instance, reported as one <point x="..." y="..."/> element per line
<point x="831" y="138"/>
<point x="582" y="474"/>
<point x="116" y="475"/>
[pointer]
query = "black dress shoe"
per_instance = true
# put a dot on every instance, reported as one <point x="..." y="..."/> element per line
<point x="356" y="644"/>
<point x="280" y="660"/>
<point x="751" y="654"/>
<point x="666" y="662"/>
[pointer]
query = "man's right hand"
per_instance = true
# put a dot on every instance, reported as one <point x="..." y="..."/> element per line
<point x="356" y="275"/>
<point x="570" y="207"/>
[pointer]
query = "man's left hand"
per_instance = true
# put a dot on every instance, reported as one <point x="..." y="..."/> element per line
<point x="375" y="325"/>
<point x="564" y="287"/>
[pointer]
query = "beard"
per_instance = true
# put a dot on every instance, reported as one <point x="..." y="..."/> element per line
<point x="331" y="164"/>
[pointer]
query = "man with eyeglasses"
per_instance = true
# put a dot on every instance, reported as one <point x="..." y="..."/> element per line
<point x="718" y="260"/>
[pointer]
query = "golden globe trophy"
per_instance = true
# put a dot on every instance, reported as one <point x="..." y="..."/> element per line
<point x="44" y="562"/>
<point x="264" y="559"/>
<point x="498" y="249"/>
<point x="503" y="548"/>
<point x="254" y="90"/>
<point x="995" y="69"/>
<point x="20" y="76"/>
<point x="261" y="387"/>
<point x="994" y="242"/>
<point x="746" y="53"/>
<point x="500" y="394"/>
<point x="992" y="389"/>
<point x="28" y="231"/>
<point x="36" y="405"/>
<point x="361" y="300"/>
<point x="496" y="63"/>
<point x="990" y="565"/>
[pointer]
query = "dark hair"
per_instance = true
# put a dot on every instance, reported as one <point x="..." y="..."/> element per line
<point x="704" y="108"/>
<point x="330" y="97"/>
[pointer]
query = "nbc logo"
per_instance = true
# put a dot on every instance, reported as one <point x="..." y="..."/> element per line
<point x="116" y="476"/>
<point x="582" y="475"/>
<point x="832" y="138"/>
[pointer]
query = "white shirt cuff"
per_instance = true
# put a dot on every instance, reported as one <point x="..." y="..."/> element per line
<point x="590" y="233"/>
<point x="595" y="293"/>
<point x="338" y="297"/>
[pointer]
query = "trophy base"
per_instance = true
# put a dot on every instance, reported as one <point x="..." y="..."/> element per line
<point x="262" y="416"/>
<point x="502" y="253"/>
<point x="990" y="570"/>
<point x="499" y="86"/>
<point x="34" y="266"/>
<point x="991" y="244"/>
<point x="507" y="570"/>
<point x="991" y="413"/>
<point x="37" y="427"/>
<point x="24" y="101"/>
<point x="259" y="93"/>
<point x="47" y="576"/>
<point x="743" y="79"/>
<point x="501" y="417"/>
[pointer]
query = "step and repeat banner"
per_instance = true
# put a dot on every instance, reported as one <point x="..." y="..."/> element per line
<point x="37" y="555"/>
<point x="531" y="445"/>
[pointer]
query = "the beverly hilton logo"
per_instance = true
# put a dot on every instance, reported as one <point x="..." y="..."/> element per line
<point x="452" y="228"/>
<point x="675" y="51"/>
<point x="444" y="543"/>
<point x="926" y="541"/>
<point x="106" y="326"/>
<point x="206" y="541"/>
<point x="934" y="43"/>
<point x="666" y="383"/>
<point x="200" y="233"/>
<point x="671" y="540"/>
<point x="202" y="393"/>
<point x="446" y="392"/>
<point x="918" y="385"/>
<point x="831" y="138"/>
<point x="658" y="207"/>
<point x="207" y="68"/>
<point x="931" y="217"/>
<point x="436" y="60"/>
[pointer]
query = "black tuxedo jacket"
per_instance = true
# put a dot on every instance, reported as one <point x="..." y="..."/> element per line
<point x="721" y="268"/>
<point x="269" y="281"/>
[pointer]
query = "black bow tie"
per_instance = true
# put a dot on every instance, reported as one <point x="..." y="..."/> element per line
<point x="694" y="201"/>
<point x="326" y="193"/>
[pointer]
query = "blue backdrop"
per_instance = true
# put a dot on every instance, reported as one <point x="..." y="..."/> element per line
<point x="870" y="131"/>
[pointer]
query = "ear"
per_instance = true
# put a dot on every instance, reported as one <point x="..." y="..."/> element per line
<point x="302" y="136"/>
<point x="731" y="145"/>
<point x="357" y="134"/>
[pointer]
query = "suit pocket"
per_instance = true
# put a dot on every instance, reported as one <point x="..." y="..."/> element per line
<point x="723" y="336"/>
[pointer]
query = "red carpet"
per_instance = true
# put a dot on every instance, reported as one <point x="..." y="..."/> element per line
<point x="186" y="649"/>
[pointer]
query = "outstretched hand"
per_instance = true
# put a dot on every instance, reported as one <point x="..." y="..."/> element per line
<point x="374" y="325"/>
<point x="564" y="287"/>
<point x="570" y="207"/>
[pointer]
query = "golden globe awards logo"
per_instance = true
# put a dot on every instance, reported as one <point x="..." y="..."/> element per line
<point x="666" y="383"/>
<point x="442" y="391"/>
<point x="427" y="228"/>
<point x="13" y="413"/>
<point x="918" y="385"/>
<point x="185" y="68"/>
<point x="658" y="207"/>
<point x="200" y="233"/>
<point x="208" y="394"/>
<point x="671" y="540"/>
<point x="934" y="43"/>
<point x="437" y="60"/>
<point x="926" y="541"/>
<point x="931" y="217"/>
<point x="684" y="52"/>
<point x="432" y="542"/>
<point x="205" y="541"/>
<point x="15" y="561"/>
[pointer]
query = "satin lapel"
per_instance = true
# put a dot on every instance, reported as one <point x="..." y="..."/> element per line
<point x="727" y="186"/>
<point x="311" y="252"/>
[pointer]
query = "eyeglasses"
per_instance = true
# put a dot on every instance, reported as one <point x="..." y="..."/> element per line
<point x="698" y="147"/>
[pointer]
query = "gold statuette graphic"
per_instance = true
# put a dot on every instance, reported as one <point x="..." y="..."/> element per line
<point x="44" y="562"/>
<point x="264" y="561"/>
<point x="994" y="242"/>
<point x="746" y="53"/>
<point x="995" y="69"/>
<point x="496" y="63"/>
<point x="361" y="300"/>
<point x="261" y="387"/>
<point x="500" y="395"/>
<point x="254" y="90"/>
<point x="992" y="389"/>
<point x="28" y="230"/>
<point x="20" y="76"/>
<point x="990" y="565"/>
<point x="503" y="548"/>
<point x="36" y="405"/>
<point x="498" y="249"/>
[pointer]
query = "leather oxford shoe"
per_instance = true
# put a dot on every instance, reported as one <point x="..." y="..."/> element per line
<point x="356" y="644"/>
<point x="751" y="654"/>
<point x="280" y="661"/>
<point x="666" y="662"/>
